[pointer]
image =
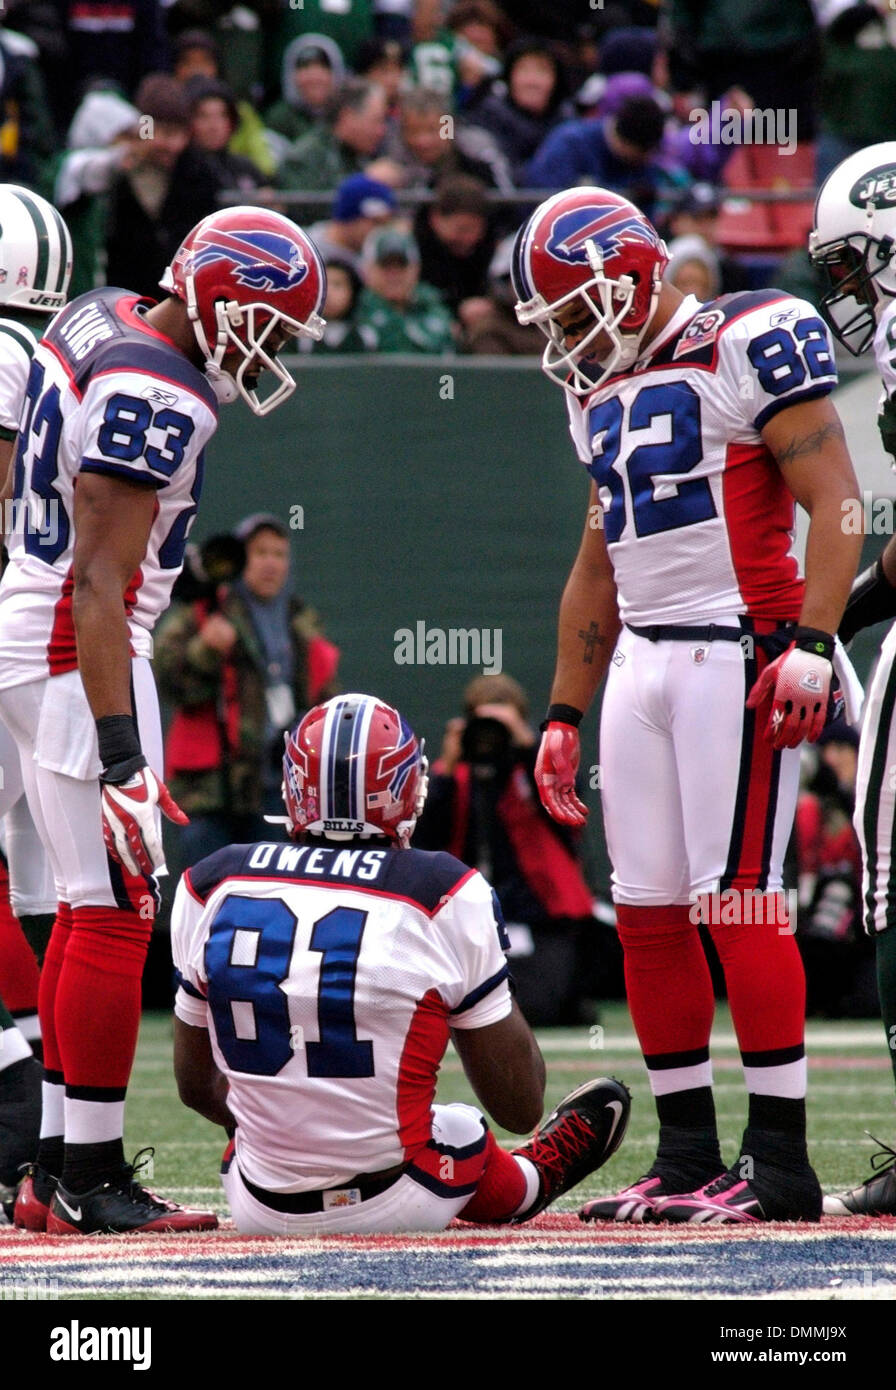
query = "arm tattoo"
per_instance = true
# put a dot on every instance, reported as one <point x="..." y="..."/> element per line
<point x="592" y="638"/>
<point x="811" y="443"/>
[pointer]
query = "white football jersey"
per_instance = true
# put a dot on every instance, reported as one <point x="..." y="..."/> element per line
<point x="17" y="344"/>
<point x="698" y="520"/>
<point x="885" y="349"/>
<point x="329" y="978"/>
<point x="106" y="394"/>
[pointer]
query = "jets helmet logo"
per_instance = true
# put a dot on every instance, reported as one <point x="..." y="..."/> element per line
<point x="567" y="238"/>
<point x="262" y="260"/>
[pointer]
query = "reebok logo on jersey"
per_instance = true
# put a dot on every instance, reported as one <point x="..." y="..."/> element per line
<point x="152" y="393"/>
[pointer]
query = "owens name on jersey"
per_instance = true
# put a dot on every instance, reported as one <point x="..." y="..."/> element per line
<point x="329" y="979"/>
<point x="698" y="520"/>
<point x="106" y="394"/>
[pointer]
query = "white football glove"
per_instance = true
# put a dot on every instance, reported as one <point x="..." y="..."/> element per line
<point x="129" y="818"/>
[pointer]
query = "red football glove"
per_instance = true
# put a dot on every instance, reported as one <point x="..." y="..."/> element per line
<point x="555" y="774"/>
<point x="129" y="820"/>
<point x="794" y="691"/>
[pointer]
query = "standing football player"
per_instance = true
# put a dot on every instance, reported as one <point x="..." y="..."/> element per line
<point x="122" y="399"/>
<point x="699" y="425"/>
<point x="852" y="242"/>
<point x="35" y="269"/>
<point x="318" y="986"/>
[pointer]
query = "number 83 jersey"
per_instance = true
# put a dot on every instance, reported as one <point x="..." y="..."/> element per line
<point x="698" y="520"/>
<point x="106" y="394"/>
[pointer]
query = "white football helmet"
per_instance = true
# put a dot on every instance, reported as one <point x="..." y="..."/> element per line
<point x="854" y="242"/>
<point x="35" y="252"/>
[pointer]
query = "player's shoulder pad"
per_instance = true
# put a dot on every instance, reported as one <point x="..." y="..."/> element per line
<point x="18" y="336"/>
<point x="428" y="877"/>
<point x="101" y="332"/>
<point x="758" y="310"/>
<point x="698" y="342"/>
<point x="203" y="878"/>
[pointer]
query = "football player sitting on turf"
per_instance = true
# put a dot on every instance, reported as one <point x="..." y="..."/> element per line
<point x="319" y="984"/>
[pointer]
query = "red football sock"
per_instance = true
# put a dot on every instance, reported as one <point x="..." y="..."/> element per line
<point x="765" y="979"/>
<point x="501" y="1189"/>
<point x="98" y="996"/>
<point x="19" y="974"/>
<point x="49" y="979"/>
<point x="667" y="979"/>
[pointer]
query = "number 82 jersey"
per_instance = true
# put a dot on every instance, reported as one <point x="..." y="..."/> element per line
<point x="698" y="520"/>
<point x="106" y="394"/>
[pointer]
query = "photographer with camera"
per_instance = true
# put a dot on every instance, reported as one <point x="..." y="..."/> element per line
<point x="483" y="807"/>
<point x="241" y="659"/>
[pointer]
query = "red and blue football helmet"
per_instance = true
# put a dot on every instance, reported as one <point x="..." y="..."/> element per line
<point x="250" y="279"/>
<point x="353" y="769"/>
<point x="591" y="245"/>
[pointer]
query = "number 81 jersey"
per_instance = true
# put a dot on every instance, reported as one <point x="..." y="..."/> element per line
<point x="106" y="394"/>
<point x="698" y="520"/>
<point x="329" y="978"/>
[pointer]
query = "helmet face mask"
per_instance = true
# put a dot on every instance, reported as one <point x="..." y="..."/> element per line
<point x="854" y="300"/>
<point x="255" y="352"/>
<point x="250" y="280"/>
<point x="595" y="248"/>
<point x="353" y="769"/>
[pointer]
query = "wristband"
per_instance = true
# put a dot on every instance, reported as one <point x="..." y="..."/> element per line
<point x="812" y="639"/>
<point x="118" y="739"/>
<point x="120" y="772"/>
<point x="561" y="714"/>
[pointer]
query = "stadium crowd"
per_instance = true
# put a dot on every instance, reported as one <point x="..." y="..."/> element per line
<point x="443" y="123"/>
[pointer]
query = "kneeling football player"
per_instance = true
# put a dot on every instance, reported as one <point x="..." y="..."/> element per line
<point x="319" y="984"/>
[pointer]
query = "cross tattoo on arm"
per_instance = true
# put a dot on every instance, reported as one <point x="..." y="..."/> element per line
<point x="592" y="638"/>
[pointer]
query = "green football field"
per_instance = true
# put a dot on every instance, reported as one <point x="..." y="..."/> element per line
<point x="850" y="1091"/>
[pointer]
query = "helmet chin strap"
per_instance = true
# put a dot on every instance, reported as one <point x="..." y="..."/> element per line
<point x="221" y="382"/>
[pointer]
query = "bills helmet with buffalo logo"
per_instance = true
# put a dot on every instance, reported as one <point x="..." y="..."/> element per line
<point x="251" y="279"/>
<point x="853" y="243"/>
<point x="590" y="249"/>
<point x="354" y="769"/>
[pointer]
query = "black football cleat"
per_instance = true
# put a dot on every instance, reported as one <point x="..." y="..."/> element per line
<point x="577" y="1138"/>
<point x="120" y="1206"/>
<point x="876" y="1196"/>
